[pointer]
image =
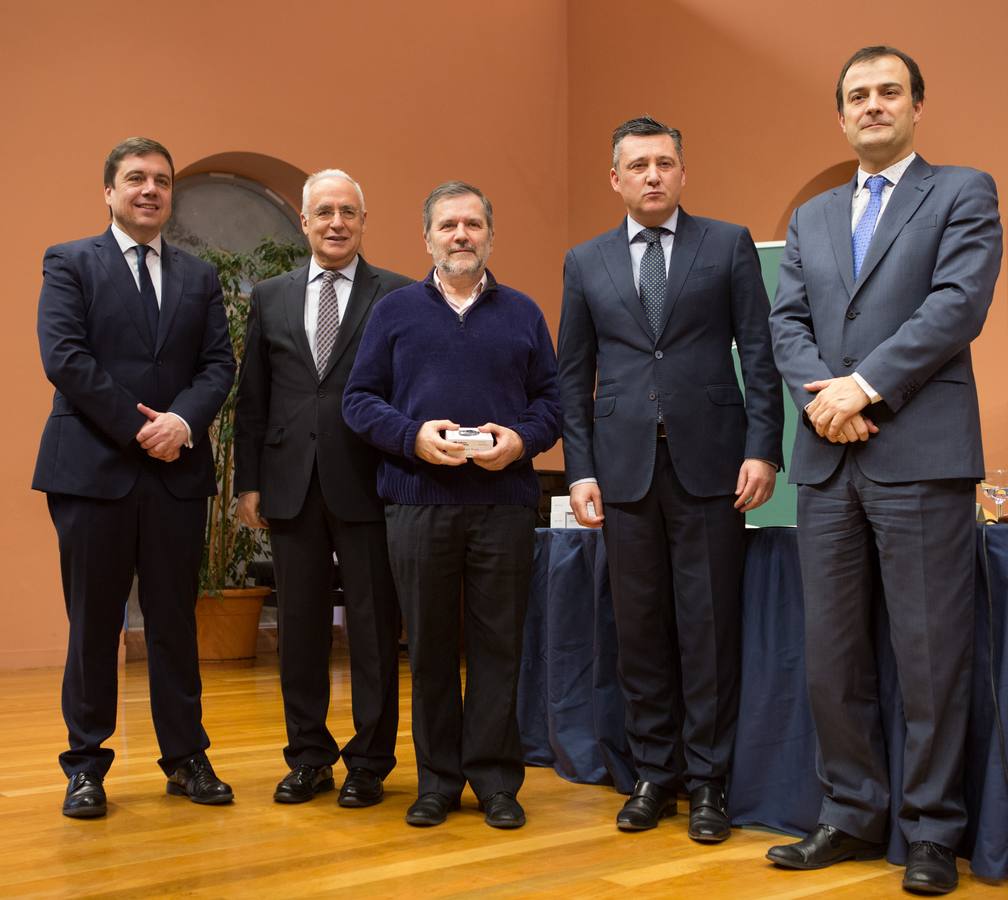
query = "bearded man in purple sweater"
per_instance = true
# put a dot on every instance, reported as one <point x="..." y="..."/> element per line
<point x="459" y="350"/>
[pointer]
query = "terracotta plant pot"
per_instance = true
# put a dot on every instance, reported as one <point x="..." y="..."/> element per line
<point x="227" y="625"/>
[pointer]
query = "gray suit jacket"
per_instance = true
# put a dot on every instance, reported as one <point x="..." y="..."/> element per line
<point x="905" y="325"/>
<point x="288" y="419"/>
<point x="612" y="370"/>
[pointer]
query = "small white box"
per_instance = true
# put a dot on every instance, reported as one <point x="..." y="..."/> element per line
<point x="561" y="514"/>
<point x="471" y="439"/>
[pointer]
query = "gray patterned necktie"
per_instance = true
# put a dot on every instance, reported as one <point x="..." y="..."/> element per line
<point x="652" y="276"/>
<point x="328" y="320"/>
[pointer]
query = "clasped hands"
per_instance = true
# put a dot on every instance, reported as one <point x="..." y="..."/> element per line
<point x="835" y="413"/>
<point x="432" y="448"/>
<point x="163" y="435"/>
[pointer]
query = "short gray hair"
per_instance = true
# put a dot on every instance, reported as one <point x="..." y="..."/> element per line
<point x="454" y="189"/>
<point x="322" y="175"/>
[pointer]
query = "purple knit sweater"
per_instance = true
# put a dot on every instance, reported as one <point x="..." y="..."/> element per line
<point x="420" y="360"/>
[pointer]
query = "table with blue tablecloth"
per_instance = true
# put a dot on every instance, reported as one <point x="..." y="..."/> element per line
<point x="571" y="712"/>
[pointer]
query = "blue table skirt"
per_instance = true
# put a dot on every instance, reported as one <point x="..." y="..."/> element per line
<point x="571" y="713"/>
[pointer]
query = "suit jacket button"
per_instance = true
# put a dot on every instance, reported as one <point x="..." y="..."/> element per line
<point x="652" y="396"/>
<point x="311" y="435"/>
<point x="658" y="354"/>
<point x="847" y="361"/>
<point x="321" y="394"/>
<point x="852" y="314"/>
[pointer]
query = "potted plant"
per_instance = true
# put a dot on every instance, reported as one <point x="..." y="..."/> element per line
<point x="228" y="608"/>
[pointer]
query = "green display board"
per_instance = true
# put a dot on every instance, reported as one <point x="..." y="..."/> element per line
<point x="781" y="508"/>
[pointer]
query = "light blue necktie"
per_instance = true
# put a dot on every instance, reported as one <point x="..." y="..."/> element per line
<point x="861" y="239"/>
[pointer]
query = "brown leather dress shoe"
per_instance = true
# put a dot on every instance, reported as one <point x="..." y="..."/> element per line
<point x="708" y="815"/>
<point x="824" y="846"/>
<point x="85" y="797"/>
<point x="196" y="779"/>
<point x="302" y="783"/>
<point x="648" y="803"/>
<point x="362" y="787"/>
<point x="930" y="869"/>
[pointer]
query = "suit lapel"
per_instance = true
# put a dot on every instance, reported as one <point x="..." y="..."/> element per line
<point x="362" y="294"/>
<point x="913" y="187"/>
<point x="121" y="279"/>
<point x="838" y="221"/>
<point x="293" y="300"/>
<point x="688" y="237"/>
<point x="172" y="278"/>
<point x="615" y="250"/>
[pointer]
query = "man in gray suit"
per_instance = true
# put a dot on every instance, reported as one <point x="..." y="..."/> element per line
<point x="302" y="471"/>
<point x="885" y="282"/>
<point x="655" y="426"/>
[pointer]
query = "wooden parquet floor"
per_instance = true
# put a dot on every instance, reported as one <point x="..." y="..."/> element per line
<point x="154" y="845"/>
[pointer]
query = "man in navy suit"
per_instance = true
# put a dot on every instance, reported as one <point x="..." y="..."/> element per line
<point x="302" y="471"/>
<point x="885" y="282"/>
<point x="657" y="429"/>
<point x="134" y="338"/>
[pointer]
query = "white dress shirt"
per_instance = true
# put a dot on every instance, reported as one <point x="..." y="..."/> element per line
<point x="637" y="248"/>
<point x="460" y="308"/>
<point x="343" y="286"/>
<point x="858" y="206"/>
<point x="128" y="247"/>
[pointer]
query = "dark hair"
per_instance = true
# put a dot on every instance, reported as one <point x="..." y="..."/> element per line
<point x="134" y="146"/>
<point x="454" y="189"/>
<point x="643" y="126"/>
<point x="867" y="53"/>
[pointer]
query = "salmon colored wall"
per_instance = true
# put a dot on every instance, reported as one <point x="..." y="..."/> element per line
<point x="751" y="86"/>
<point x="521" y="102"/>
<point x="402" y="95"/>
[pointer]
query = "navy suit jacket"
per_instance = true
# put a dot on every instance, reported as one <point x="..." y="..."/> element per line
<point x="288" y="418"/>
<point x="905" y="324"/>
<point x="613" y="371"/>
<point x="98" y="352"/>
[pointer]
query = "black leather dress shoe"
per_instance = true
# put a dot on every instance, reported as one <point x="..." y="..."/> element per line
<point x="361" y="788"/>
<point x="430" y="809"/>
<point x="823" y="846"/>
<point x="85" y="797"/>
<point x="648" y="803"/>
<point x="930" y="869"/>
<point x="196" y="779"/>
<point x="502" y="811"/>
<point x="302" y="783"/>
<point x="708" y="815"/>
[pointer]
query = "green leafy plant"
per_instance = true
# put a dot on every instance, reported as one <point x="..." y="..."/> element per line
<point x="229" y="547"/>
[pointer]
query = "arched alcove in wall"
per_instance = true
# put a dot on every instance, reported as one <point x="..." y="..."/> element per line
<point x="233" y="200"/>
<point x="835" y="175"/>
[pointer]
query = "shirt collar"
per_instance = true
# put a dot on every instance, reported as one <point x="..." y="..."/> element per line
<point x="348" y="271"/>
<point x="477" y="290"/>
<point x="893" y="174"/>
<point x="634" y="227"/>
<point x="125" y="242"/>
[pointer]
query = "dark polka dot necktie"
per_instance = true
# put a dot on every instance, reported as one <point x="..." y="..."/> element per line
<point x="652" y="276"/>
